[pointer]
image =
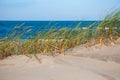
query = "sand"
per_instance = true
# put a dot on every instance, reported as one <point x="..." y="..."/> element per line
<point x="92" y="63"/>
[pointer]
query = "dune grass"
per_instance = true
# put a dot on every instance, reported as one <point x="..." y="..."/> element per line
<point x="56" y="41"/>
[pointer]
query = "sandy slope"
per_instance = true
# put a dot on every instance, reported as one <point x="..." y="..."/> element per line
<point x="94" y="63"/>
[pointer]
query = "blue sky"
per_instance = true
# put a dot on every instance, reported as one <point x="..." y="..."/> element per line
<point x="56" y="9"/>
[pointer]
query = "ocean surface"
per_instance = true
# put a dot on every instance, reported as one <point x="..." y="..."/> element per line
<point x="33" y="27"/>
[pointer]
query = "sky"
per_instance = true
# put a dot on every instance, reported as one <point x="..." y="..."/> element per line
<point x="57" y="9"/>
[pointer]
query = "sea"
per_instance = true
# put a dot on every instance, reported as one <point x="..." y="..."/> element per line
<point x="33" y="27"/>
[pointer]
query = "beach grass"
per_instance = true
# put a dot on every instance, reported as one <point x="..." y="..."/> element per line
<point x="56" y="41"/>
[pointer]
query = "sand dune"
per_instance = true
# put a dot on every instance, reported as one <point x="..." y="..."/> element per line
<point x="93" y="63"/>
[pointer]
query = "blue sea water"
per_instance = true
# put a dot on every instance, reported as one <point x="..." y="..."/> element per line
<point x="6" y="27"/>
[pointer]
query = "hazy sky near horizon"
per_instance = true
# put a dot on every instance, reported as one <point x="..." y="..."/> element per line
<point x="56" y="9"/>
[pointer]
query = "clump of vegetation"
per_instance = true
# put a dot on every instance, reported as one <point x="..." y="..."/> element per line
<point x="109" y="29"/>
<point x="57" y="41"/>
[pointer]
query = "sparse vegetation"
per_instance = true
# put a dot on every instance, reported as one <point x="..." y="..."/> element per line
<point x="57" y="41"/>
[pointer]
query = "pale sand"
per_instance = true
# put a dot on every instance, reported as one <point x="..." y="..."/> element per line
<point x="93" y="63"/>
